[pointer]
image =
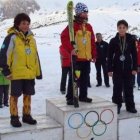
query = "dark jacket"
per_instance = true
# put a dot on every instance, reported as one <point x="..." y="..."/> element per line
<point x="101" y="49"/>
<point x="114" y="53"/>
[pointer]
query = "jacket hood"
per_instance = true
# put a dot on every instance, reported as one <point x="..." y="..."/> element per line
<point x="13" y="30"/>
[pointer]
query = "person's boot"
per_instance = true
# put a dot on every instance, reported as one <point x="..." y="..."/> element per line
<point x="6" y="104"/>
<point x="98" y="85"/>
<point x="70" y="102"/>
<point x="86" y="100"/>
<point x="29" y="120"/>
<point x="1" y="106"/>
<point x="131" y="110"/>
<point x="15" y="121"/>
<point x="63" y="92"/>
<point x="107" y="85"/>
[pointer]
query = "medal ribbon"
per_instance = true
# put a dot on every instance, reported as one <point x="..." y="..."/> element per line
<point x="122" y="44"/>
<point x="84" y="33"/>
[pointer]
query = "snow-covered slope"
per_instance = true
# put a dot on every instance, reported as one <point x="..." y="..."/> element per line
<point x="47" y="27"/>
<point x="103" y="20"/>
<point x="9" y="8"/>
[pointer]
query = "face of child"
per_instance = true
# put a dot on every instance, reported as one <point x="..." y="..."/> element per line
<point x="24" y="26"/>
<point x="84" y="15"/>
<point x="99" y="37"/>
<point x="122" y="29"/>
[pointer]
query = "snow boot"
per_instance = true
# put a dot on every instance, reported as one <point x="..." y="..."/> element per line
<point x="15" y="121"/>
<point x="29" y="120"/>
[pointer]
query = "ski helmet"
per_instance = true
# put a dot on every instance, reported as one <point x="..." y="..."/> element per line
<point x="80" y="8"/>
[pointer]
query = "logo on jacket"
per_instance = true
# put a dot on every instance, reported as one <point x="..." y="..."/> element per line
<point x="28" y="51"/>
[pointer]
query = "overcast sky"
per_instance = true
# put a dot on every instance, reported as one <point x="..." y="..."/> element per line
<point x="61" y="4"/>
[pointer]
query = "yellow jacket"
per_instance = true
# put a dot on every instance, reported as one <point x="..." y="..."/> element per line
<point x="84" y="39"/>
<point x="19" y="57"/>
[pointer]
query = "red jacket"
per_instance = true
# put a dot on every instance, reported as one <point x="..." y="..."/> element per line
<point x="138" y="52"/>
<point x="86" y="51"/>
<point x="65" y="57"/>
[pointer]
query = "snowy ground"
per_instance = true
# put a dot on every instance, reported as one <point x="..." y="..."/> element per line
<point x="48" y="41"/>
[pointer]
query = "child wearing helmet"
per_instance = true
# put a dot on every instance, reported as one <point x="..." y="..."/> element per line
<point x="86" y="51"/>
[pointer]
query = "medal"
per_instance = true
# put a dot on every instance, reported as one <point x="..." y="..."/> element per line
<point x="28" y="51"/>
<point x="84" y="41"/>
<point x="123" y="48"/>
<point x="122" y="58"/>
<point x="101" y="46"/>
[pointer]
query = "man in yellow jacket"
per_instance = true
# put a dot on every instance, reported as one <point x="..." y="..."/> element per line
<point x="20" y="62"/>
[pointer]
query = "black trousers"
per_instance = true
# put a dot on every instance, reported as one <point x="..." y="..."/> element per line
<point x="133" y="79"/>
<point x="65" y="72"/>
<point x="89" y="84"/>
<point x="123" y="86"/>
<point x="84" y="68"/>
<point x="103" y="65"/>
<point x="4" y="94"/>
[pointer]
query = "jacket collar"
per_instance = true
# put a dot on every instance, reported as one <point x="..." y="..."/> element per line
<point x="13" y="30"/>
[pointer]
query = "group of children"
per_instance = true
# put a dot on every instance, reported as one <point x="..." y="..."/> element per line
<point x="118" y="60"/>
<point x="20" y="65"/>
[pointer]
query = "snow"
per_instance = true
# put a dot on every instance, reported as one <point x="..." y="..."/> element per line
<point x="48" y="40"/>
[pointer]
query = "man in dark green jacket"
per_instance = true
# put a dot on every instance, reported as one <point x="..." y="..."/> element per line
<point x="4" y="88"/>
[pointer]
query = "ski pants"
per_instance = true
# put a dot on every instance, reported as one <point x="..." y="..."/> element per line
<point x="123" y="83"/>
<point x="4" y="90"/>
<point x="138" y="79"/>
<point x="103" y="65"/>
<point x="84" y="68"/>
<point x="65" y="72"/>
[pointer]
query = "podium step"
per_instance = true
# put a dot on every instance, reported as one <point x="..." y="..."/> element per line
<point x="97" y="120"/>
<point x="129" y="125"/>
<point x="46" y="129"/>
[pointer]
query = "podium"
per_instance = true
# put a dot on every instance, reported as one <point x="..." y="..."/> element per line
<point x="46" y="129"/>
<point x="91" y="121"/>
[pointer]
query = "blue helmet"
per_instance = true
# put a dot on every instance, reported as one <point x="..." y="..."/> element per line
<point x="80" y="8"/>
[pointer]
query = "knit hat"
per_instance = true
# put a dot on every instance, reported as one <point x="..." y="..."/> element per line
<point x="80" y="8"/>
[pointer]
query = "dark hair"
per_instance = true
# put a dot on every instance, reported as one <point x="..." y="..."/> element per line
<point x="124" y="22"/>
<point x="98" y="34"/>
<point x="21" y="17"/>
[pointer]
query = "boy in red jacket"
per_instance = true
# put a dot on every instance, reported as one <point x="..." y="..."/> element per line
<point x="85" y="41"/>
<point x="65" y="63"/>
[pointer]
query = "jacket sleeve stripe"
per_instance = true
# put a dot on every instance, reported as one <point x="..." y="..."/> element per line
<point x="3" y="54"/>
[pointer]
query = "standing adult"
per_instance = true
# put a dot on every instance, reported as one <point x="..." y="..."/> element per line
<point x="101" y="61"/>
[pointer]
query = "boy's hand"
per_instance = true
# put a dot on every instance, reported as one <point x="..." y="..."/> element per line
<point x="110" y="74"/>
<point x="93" y="60"/>
<point x="9" y="77"/>
<point x="134" y="72"/>
<point x="74" y="52"/>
